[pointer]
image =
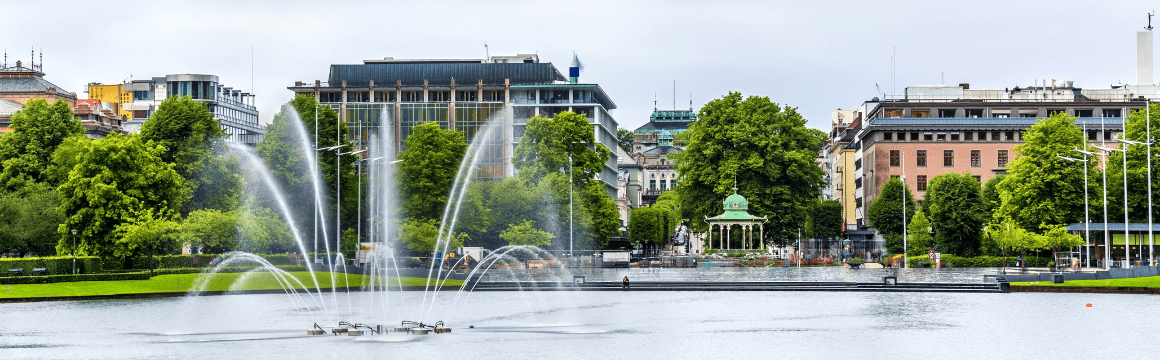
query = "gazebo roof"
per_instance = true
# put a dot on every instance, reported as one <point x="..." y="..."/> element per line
<point x="736" y="209"/>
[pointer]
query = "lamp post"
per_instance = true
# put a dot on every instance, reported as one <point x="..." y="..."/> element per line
<point x="338" y="194"/>
<point x="571" y="220"/>
<point x="1086" y="221"/>
<point x="74" y="250"/>
<point x="1127" y="142"/>
<point x="902" y="161"/>
<point x="1127" y="249"/>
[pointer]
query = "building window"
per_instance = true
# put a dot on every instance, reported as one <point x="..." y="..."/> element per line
<point x="919" y="113"/>
<point x="1010" y="136"/>
<point x="887" y="136"/>
<point x="968" y="136"/>
<point x="948" y="158"/>
<point x="901" y="136"/>
<point x="995" y="136"/>
<point x="921" y="155"/>
<point x="974" y="113"/>
<point x="942" y="137"/>
<point x="652" y="185"/>
<point x="976" y="158"/>
<point x="913" y="136"/>
<point x="1002" y="158"/>
<point x="1083" y="113"/>
<point x="978" y="179"/>
<point x="946" y="113"/>
<point x="895" y="157"/>
<point x="1111" y="112"/>
<point x="1091" y="136"/>
<point x="921" y="182"/>
<point x="927" y="137"/>
<point x="893" y="114"/>
<point x="982" y="136"/>
<point x="894" y="177"/>
<point x="954" y="136"/>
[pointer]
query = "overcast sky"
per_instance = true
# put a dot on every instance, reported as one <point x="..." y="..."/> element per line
<point x="816" y="56"/>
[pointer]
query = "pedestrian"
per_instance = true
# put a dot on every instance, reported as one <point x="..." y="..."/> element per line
<point x="624" y="283"/>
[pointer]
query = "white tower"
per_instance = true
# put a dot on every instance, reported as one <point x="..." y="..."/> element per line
<point x="1144" y="55"/>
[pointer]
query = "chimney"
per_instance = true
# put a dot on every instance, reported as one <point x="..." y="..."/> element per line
<point x="965" y="86"/>
<point x="1144" y="57"/>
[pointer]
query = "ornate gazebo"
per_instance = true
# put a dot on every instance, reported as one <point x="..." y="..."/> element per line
<point x="736" y="214"/>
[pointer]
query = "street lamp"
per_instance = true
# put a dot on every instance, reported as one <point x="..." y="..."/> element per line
<point x="1149" y="161"/>
<point x="1086" y="221"/>
<point x="902" y="161"/>
<point x="1127" y="249"/>
<point x="74" y="250"/>
<point x="338" y="194"/>
<point x="571" y="220"/>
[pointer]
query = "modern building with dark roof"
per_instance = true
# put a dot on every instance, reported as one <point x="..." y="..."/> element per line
<point x="463" y="94"/>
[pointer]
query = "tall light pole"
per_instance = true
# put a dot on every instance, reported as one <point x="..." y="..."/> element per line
<point x="902" y="160"/>
<point x="1148" y="136"/>
<point x="1107" y="234"/>
<point x="316" y="194"/>
<point x="570" y="218"/>
<point x="338" y="194"/>
<point x="1086" y="222"/>
<point x="74" y="250"/>
<point x="1127" y="142"/>
<point x="1127" y="249"/>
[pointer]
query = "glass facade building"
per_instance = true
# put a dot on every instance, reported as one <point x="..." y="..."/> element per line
<point x="463" y="95"/>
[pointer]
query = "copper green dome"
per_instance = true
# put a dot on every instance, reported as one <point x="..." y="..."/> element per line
<point x="736" y="202"/>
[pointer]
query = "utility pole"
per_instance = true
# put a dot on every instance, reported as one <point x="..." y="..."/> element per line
<point x="904" y="193"/>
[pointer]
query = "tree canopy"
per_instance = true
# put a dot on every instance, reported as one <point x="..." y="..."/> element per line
<point x="956" y="213"/>
<point x="428" y="168"/>
<point x="918" y="238"/>
<point x="547" y="143"/>
<point x="760" y="147"/>
<point x="624" y="139"/>
<point x="195" y="144"/>
<point x="524" y="233"/>
<point x="37" y="130"/>
<point x="885" y="213"/>
<point x="114" y="180"/>
<point x="1040" y="188"/>
<point x="1135" y="130"/>
<point x="827" y="219"/>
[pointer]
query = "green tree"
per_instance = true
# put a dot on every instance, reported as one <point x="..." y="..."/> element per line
<point x="1137" y="170"/>
<point x="525" y="233"/>
<point x="547" y="143"/>
<point x="509" y="201"/>
<point x="428" y="169"/>
<point x="214" y="230"/>
<point x="624" y="139"/>
<point x="263" y="231"/>
<point x="646" y="226"/>
<point x="114" y="180"/>
<point x="1040" y="188"/>
<point x="955" y="205"/>
<point x="758" y="146"/>
<point x="195" y="145"/>
<point x="602" y="212"/>
<point x="282" y="150"/>
<point x="990" y="196"/>
<point x="28" y="220"/>
<point x="147" y="234"/>
<point x="1009" y="237"/>
<point x="420" y="235"/>
<point x="918" y="238"/>
<point x="885" y="213"/>
<point x="37" y="130"/>
<point x="827" y="219"/>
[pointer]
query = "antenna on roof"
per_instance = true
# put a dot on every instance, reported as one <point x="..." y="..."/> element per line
<point x="486" y="52"/>
<point x="654" y="101"/>
<point x="674" y="94"/>
<point x="41" y="66"/>
<point x="5" y="57"/>
<point x="690" y="101"/>
<point x="1153" y="13"/>
<point x="33" y="58"/>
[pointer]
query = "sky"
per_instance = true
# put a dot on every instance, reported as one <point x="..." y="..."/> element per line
<point x="815" y="56"/>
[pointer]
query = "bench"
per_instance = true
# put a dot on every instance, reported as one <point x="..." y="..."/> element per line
<point x="16" y="271"/>
<point x="40" y="271"/>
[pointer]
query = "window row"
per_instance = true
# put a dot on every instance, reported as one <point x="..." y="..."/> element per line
<point x="948" y="158"/>
<point x="920" y="181"/>
<point x="1004" y="113"/>
<point x="950" y="136"/>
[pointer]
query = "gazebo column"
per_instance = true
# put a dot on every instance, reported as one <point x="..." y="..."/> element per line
<point x="729" y="238"/>
<point x="761" y="235"/>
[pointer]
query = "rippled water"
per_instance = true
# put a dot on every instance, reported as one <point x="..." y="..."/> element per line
<point x="832" y="273"/>
<point x="605" y="325"/>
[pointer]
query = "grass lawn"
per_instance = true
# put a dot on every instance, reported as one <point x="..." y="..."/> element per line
<point x="1141" y="282"/>
<point x="185" y="282"/>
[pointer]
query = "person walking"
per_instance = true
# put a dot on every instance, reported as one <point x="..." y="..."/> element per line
<point x="624" y="283"/>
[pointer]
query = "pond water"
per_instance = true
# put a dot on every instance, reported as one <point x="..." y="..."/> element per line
<point x="586" y="325"/>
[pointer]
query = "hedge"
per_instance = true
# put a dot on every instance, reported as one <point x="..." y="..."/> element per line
<point x="953" y="261"/>
<point x="68" y="278"/>
<point x="228" y="269"/>
<point x="54" y="265"/>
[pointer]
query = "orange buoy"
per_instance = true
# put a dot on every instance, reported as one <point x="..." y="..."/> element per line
<point x="1089" y="305"/>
